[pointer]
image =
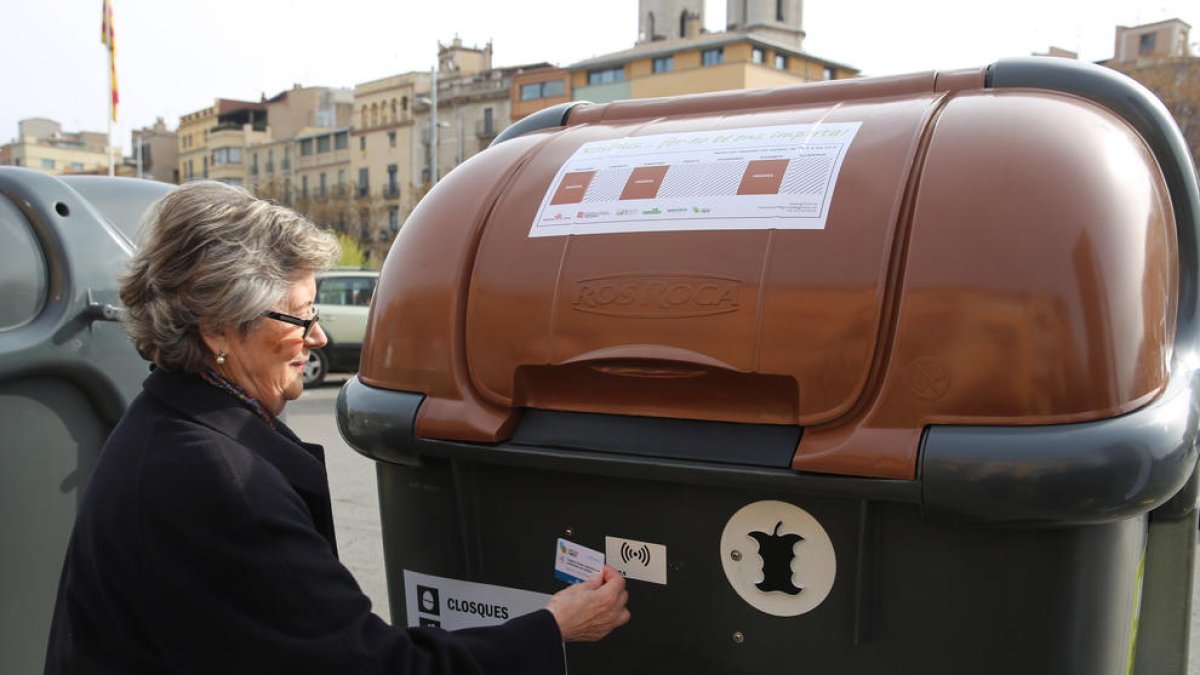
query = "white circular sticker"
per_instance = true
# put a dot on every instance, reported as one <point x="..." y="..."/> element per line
<point x="778" y="558"/>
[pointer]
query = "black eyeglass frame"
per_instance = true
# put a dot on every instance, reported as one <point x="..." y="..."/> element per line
<point x="306" y="324"/>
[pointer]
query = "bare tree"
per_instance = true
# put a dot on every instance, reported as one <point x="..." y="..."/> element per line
<point x="344" y="209"/>
<point x="1175" y="81"/>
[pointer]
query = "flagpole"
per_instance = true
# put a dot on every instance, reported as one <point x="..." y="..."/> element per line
<point x="108" y="39"/>
<point x="110" y="145"/>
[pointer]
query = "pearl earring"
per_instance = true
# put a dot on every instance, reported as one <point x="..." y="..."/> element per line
<point x="221" y="359"/>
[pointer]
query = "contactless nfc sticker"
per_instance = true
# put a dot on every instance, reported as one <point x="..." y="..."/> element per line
<point x="574" y="563"/>
<point x="637" y="559"/>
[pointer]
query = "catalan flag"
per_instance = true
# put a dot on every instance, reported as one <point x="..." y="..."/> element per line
<point x="109" y="39"/>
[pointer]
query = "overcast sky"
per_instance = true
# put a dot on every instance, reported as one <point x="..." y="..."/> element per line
<point x="175" y="57"/>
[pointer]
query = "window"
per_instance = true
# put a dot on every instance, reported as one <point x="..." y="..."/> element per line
<point x="404" y="103"/>
<point x="828" y="74"/>
<point x="374" y="114"/>
<point x="780" y="62"/>
<point x="364" y="183"/>
<point x="362" y="143"/>
<point x="287" y="159"/>
<point x="306" y="147"/>
<point x="75" y="166"/>
<point x="346" y="291"/>
<point x="664" y="64"/>
<point x="757" y="55"/>
<point x="489" y="124"/>
<point x="47" y="164"/>
<point x="393" y="218"/>
<point x="304" y="187"/>
<point x="779" y="10"/>
<point x="223" y="156"/>
<point x="341" y="141"/>
<point x="391" y="139"/>
<point x="323" y="143"/>
<point x="712" y="57"/>
<point x="1146" y="43"/>
<point x="607" y="75"/>
<point x="393" y="188"/>
<point x="22" y="269"/>
<point x="363" y="121"/>
<point x="324" y="189"/>
<point x="341" y="177"/>
<point x="547" y="89"/>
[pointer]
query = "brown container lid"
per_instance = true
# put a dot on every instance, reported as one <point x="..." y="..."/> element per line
<point x="860" y="259"/>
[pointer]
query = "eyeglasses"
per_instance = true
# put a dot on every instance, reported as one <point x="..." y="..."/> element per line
<point x="306" y="324"/>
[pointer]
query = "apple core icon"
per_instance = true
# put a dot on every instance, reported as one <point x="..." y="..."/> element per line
<point x="778" y="558"/>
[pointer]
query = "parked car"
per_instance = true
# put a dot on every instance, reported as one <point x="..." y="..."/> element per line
<point x="67" y="373"/>
<point x="343" y="300"/>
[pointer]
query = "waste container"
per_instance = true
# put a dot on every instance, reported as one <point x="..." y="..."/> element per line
<point x="892" y="375"/>
<point x="67" y="373"/>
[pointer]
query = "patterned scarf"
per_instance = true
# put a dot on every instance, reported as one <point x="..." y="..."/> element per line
<point x="215" y="379"/>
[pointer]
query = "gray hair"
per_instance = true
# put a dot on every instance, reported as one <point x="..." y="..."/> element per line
<point x="212" y="255"/>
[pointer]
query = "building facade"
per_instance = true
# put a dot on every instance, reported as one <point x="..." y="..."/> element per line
<point x="669" y="19"/>
<point x="707" y="62"/>
<point x="1159" y="56"/>
<point x="1152" y="42"/>
<point x="42" y="145"/>
<point x="156" y="153"/>
<point x="211" y="140"/>
<point x="385" y="156"/>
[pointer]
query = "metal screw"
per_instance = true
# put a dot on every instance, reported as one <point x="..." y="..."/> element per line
<point x="736" y="555"/>
<point x="738" y="638"/>
<point x="568" y="533"/>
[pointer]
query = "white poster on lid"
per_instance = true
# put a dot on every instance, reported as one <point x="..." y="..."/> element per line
<point x="752" y="178"/>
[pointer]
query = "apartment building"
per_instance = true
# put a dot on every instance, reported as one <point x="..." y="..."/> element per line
<point x="1152" y="41"/>
<point x="537" y="88"/>
<point x="760" y="48"/>
<point x="211" y="139"/>
<point x="156" y="153"/>
<point x="385" y="158"/>
<point x="474" y="103"/>
<point x="214" y="141"/>
<point x="42" y="145"/>
<point x="1160" y="56"/>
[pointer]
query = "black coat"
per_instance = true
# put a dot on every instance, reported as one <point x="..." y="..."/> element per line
<point x="204" y="544"/>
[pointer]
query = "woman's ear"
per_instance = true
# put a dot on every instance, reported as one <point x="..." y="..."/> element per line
<point x="216" y="341"/>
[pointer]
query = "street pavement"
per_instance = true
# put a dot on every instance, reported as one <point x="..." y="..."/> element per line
<point x="356" y="502"/>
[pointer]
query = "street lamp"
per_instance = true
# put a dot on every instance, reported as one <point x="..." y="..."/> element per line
<point x="434" y="123"/>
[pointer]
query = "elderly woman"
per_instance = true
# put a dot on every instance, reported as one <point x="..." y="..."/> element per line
<point x="205" y="540"/>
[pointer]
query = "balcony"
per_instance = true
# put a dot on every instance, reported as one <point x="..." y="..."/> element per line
<point x="390" y="192"/>
<point x="486" y="129"/>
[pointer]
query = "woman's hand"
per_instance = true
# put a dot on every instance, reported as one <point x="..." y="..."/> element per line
<point x="588" y="611"/>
